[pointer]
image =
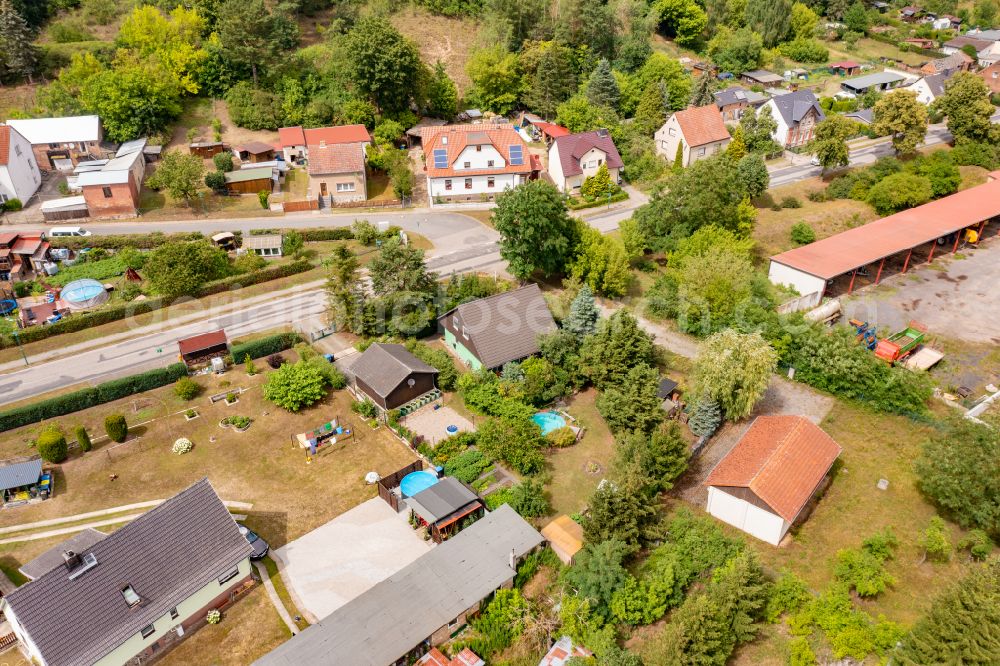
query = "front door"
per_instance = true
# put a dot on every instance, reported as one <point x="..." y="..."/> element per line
<point x="322" y="189"/>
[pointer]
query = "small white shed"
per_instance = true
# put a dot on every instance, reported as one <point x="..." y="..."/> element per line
<point x="765" y="482"/>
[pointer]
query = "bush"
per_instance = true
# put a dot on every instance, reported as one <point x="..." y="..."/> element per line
<point x="89" y="397"/>
<point x="561" y="437"/>
<point x="935" y="541"/>
<point x="817" y="196"/>
<point x="216" y="181"/>
<point x="791" y="202"/>
<point x="467" y="466"/>
<point x="979" y="544"/>
<point x="51" y="445"/>
<point x="13" y="205"/>
<point x="82" y="438"/>
<point x="186" y="388"/>
<point x="223" y="161"/>
<point x="294" y="386"/>
<point x="182" y="446"/>
<point x="364" y="232"/>
<point x="116" y="427"/>
<point x="275" y="361"/>
<point x="365" y="408"/>
<point x="266" y="346"/>
<point x="864" y="568"/>
<point x="802" y="233"/>
<point x="439" y="359"/>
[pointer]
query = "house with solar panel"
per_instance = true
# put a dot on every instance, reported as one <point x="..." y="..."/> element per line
<point x="474" y="163"/>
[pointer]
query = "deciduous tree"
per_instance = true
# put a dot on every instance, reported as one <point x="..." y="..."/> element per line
<point x="899" y="115"/>
<point x="179" y="175"/>
<point x="536" y="233"/>
<point x="181" y="268"/>
<point x="831" y="141"/>
<point x="966" y="103"/>
<point x="601" y="263"/>
<point x="734" y="369"/>
<point x="384" y="65"/>
<point x="442" y="95"/>
<point x="736" y="51"/>
<point x="295" y="385"/>
<point x="684" y="20"/>
<point x="496" y="77"/>
<point x="771" y="19"/>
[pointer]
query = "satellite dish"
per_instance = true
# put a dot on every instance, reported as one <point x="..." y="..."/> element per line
<point x="410" y="382"/>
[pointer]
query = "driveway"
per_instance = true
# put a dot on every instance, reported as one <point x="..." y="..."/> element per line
<point x="782" y="397"/>
<point x="956" y="298"/>
<point x="337" y="562"/>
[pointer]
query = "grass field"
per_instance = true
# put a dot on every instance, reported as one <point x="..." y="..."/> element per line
<point x="439" y="38"/>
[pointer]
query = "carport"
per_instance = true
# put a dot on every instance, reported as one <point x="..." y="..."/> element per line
<point x="812" y="269"/>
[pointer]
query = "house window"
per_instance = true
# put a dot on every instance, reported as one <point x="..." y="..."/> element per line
<point x="489" y="163"/>
<point x="53" y="145"/>
<point x="148" y="631"/>
<point x="671" y="131"/>
<point x="17" y="151"/>
<point x="131" y="598"/>
<point x="489" y="182"/>
<point x="107" y="192"/>
<point x="465" y="333"/>
<point x="466" y="165"/>
<point x="447" y="184"/>
<point x="174" y="614"/>
<point x="229" y="575"/>
<point x="479" y="149"/>
<point x="701" y="152"/>
<point x="345" y="187"/>
<point x="600" y="162"/>
<point x="468" y="183"/>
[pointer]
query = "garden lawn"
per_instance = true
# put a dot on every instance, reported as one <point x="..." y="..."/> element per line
<point x="260" y="466"/>
<point x="853" y="508"/>
<point x="773" y="229"/>
<point x="576" y="470"/>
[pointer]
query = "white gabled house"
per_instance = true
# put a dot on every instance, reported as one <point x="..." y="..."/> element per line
<point x="19" y="173"/>
<point x="474" y="163"/>
<point x="575" y="157"/>
<point x="700" y="132"/>
<point x="929" y="88"/>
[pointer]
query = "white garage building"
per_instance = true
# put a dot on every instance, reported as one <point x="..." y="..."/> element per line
<point x="765" y="482"/>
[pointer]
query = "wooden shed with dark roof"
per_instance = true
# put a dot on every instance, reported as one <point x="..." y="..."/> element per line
<point x="492" y="331"/>
<point x="766" y="482"/>
<point x="390" y="376"/>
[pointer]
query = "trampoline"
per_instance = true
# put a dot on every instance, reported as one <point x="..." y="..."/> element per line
<point x="7" y="306"/>
<point x="414" y="482"/>
<point x="84" y="293"/>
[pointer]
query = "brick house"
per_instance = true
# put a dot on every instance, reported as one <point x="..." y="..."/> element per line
<point x="991" y="76"/>
<point x="733" y="101"/>
<point x="113" y="189"/>
<point x="60" y="143"/>
<point x="134" y="593"/>
<point x="956" y="62"/>
<point x="699" y="132"/>
<point x="796" y="114"/>
<point x="21" y="255"/>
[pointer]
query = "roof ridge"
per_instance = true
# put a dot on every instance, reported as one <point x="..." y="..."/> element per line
<point x="498" y="295"/>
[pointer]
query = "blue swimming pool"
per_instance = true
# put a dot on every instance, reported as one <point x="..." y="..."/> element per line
<point x="414" y="482"/>
<point x="549" y="421"/>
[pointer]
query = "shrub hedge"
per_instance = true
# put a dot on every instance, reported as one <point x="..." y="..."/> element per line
<point x="155" y="240"/>
<point x="262" y="347"/>
<point x="89" y="397"/>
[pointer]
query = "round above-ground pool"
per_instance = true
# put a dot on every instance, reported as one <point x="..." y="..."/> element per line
<point x="414" y="482"/>
<point x="84" y="293"/>
<point x="452" y="429"/>
<point x="549" y="421"/>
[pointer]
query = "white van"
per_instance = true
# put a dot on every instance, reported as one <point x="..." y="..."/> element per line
<point x="56" y="232"/>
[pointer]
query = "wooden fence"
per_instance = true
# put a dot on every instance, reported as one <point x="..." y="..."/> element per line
<point x="295" y="206"/>
<point x="387" y="483"/>
<point x="372" y="203"/>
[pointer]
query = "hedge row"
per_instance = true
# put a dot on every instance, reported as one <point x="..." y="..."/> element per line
<point x="89" y="397"/>
<point x="107" y="315"/>
<point x="262" y="347"/>
<point x="313" y="235"/>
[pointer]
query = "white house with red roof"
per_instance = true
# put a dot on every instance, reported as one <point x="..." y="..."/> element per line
<point x="575" y="157"/>
<point x="474" y="163"/>
<point x="699" y="131"/>
<point x="765" y="483"/>
<point x="19" y="173"/>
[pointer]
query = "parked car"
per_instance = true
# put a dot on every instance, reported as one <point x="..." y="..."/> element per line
<point x="814" y="161"/>
<point x="57" y="232"/>
<point x="260" y="547"/>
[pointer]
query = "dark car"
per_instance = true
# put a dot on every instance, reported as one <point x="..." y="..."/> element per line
<point x="260" y="547"/>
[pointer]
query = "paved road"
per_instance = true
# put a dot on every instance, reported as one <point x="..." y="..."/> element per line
<point x="936" y="134"/>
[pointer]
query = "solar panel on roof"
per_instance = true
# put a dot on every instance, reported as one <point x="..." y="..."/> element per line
<point x="440" y="158"/>
<point x="516" y="156"/>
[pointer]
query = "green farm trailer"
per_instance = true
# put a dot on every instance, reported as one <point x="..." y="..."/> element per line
<point x="899" y="345"/>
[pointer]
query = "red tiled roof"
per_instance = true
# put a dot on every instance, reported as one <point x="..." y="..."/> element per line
<point x="782" y="459"/>
<point x="26" y="245"/>
<point x="575" y="146"/>
<point x="701" y="125"/>
<point x="437" y="658"/>
<point x="291" y="136"/>
<point x="8" y="237"/>
<point x="337" y="158"/>
<point x="843" y="252"/>
<point x="338" y="134"/>
<point x="501" y="137"/>
<point x="197" y="343"/>
<point x="551" y="129"/>
<point x="4" y="144"/>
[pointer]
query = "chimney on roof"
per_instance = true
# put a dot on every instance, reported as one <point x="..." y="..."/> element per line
<point x="71" y="559"/>
<point x="513" y="560"/>
<point x="602" y="132"/>
<point x="322" y="143"/>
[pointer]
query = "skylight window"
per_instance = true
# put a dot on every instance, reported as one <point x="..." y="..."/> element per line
<point x="131" y="598"/>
